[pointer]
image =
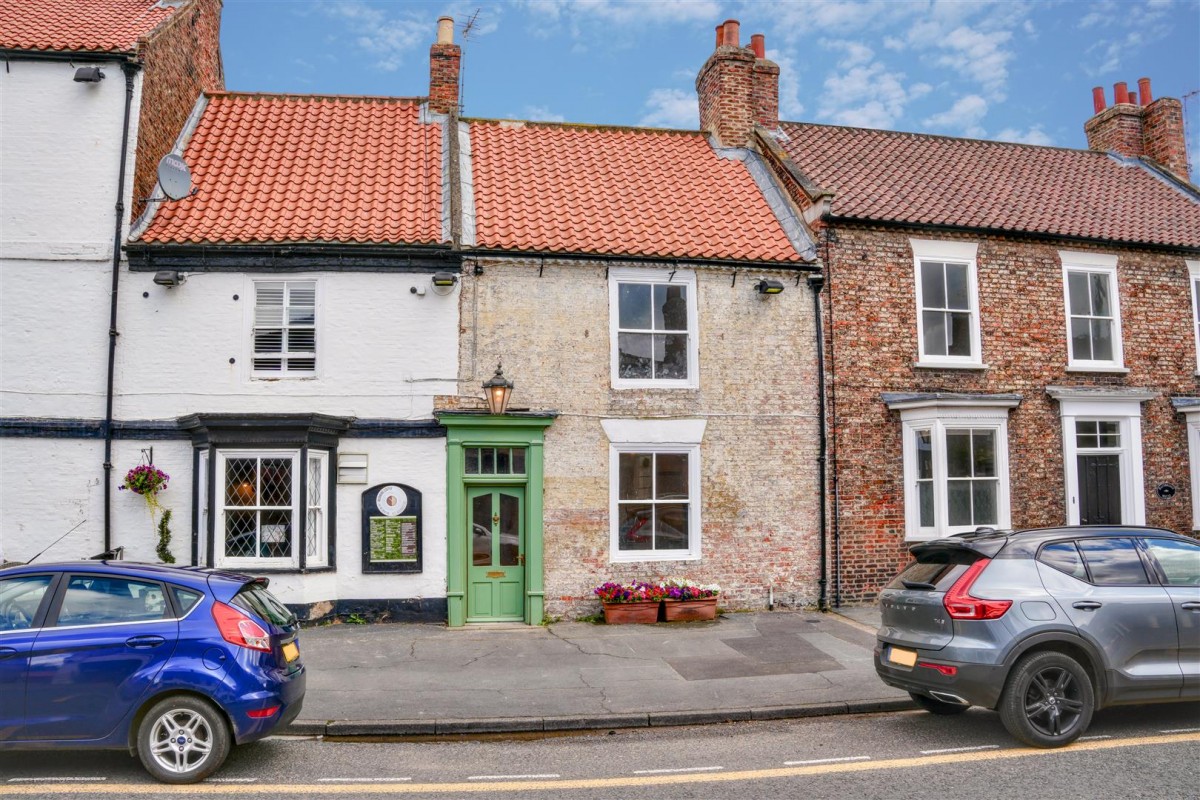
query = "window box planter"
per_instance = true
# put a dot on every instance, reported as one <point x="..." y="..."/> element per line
<point x="704" y="608"/>
<point x="640" y="613"/>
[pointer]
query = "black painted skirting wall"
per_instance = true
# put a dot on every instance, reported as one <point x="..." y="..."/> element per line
<point x="419" y="609"/>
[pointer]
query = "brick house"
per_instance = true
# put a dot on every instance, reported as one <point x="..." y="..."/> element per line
<point x="1011" y="329"/>
<point x="81" y="79"/>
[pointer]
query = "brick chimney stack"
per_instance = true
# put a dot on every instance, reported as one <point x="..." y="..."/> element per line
<point x="738" y="88"/>
<point x="445" y="60"/>
<point x="1137" y="125"/>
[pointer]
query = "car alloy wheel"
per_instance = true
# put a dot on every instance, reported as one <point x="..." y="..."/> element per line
<point x="182" y="740"/>
<point x="1048" y="701"/>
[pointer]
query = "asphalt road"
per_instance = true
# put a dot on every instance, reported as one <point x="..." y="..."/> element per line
<point x="1133" y="752"/>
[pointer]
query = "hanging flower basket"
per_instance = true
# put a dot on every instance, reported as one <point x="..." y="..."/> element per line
<point x="148" y="480"/>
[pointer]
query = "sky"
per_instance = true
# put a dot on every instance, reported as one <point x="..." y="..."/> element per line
<point x="1013" y="70"/>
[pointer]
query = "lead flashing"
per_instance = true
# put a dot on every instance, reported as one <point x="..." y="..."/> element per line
<point x="789" y="221"/>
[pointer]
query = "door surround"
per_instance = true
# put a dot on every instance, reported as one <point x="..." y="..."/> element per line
<point x="466" y="429"/>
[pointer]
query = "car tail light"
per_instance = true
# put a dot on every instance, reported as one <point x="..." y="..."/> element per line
<point x="237" y="628"/>
<point x="946" y="669"/>
<point x="961" y="605"/>
<point x="262" y="713"/>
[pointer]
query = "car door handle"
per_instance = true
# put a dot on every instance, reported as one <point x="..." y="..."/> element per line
<point x="145" y="641"/>
<point x="1191" y="605"/>
<point x="7" y="652"/>
<point x="1086" y="605"/>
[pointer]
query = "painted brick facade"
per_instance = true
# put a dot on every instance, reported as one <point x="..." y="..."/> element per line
<point x="183" y="59"/>
<point x="757" y="394"/>
<point x="872" y="329"/>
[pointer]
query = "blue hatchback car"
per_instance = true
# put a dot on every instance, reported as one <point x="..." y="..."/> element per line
<point x="175" y="664"/>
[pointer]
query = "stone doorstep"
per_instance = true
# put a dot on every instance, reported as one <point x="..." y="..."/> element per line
<point x="654" y="719"/>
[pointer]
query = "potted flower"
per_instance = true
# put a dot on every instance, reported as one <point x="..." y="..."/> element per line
<point x="635" y="602"/>
<point x="684" y="600"/>
<point x="148" y="480"/>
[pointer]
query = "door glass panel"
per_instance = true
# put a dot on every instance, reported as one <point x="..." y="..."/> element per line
<point x="481" y="530"/>
<point x="489" y="461"/>
<point x="1113" y="562"/>
<point x="510" y="530"/>
<point x="518" y="461"/>
<point x="472" y="465"/>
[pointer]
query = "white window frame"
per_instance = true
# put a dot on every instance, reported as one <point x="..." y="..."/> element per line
<point x="938" y="417"/>
<point x="1193" y="434"/>
<point x="1193" y="279"/>
<point x="958" y="253"/>
<point x="1093" y="263"/>
<point x="1121" y="407"/>
<point x="617" y="276"/>
<point x="299" y="495"/>
<point x="251" y="291"/>
<point x="654" y="436"/>
<point x="316" y="541"/>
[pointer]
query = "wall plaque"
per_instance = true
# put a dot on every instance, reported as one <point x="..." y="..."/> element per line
<point x="391" y="529"/>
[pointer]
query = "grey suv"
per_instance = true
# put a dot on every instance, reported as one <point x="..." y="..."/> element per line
<point x="1045" y="626"/>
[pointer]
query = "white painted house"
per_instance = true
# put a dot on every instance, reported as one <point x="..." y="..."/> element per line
<point x="88" y="91"/>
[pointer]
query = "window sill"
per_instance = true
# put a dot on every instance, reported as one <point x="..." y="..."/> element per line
<point x="949" y="365"/>
<point x="661" y="385"/>
<point x="1112" y="370"/>
<point x="249" y="570"/>
<point x="652" y="557"/>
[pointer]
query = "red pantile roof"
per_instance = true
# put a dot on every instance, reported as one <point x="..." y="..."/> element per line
<point x="617" y="191"/>
<point x="286" y="168"/>
<point x="107" y="26"/>
<point x="916" y="178"/>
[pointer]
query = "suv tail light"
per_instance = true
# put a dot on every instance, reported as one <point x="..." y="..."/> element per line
<point x="237" y="628"/>
<point x="961" y="605"/>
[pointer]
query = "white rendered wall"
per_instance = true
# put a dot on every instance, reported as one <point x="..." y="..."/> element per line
<point x="382" y="351"/>
<point x="59" y="142"/>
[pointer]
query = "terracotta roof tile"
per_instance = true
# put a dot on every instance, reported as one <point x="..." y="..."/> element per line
<point x="286" y="168"/>
<point x="907" y="177"/>
<point x="617" y="191"/>
<point x="108" y="26"/>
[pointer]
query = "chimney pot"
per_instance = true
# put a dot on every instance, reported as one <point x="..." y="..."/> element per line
<point x="1098" y="99"/>
<point x="720" y="35"/>
<point x="445" y="33"/>
<point x="732" y="32"/>
<point x="1133" y="97"/>
<point x="758" y="43"/>
<point x="1120" y="92"/>
<point x="1144" y="91"/>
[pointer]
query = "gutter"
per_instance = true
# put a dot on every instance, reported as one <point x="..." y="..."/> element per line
<point x="130" y="69"/>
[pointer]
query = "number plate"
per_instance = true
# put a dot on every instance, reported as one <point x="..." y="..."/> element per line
<point x="905" y="658"/>
<point x="291" y="652"/>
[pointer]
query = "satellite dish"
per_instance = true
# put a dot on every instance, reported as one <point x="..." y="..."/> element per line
<point x="174" y="177"/>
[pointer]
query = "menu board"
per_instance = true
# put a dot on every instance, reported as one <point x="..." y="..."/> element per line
<point x="391" y="528"/>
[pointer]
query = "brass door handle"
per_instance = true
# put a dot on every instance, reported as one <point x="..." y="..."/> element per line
<point x="521" y="559"/>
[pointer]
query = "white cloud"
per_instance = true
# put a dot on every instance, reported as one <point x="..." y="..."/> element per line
<point x="867" y="96"/>
<point x="979" y="55"/>
<point x="542" y="114"/>
<point x="671" y="108"/>
<point x="387" y="37"/>
<point x="790" y="106"/>
<point x="1034" y="135"/>
<point x="856" y="53"/>
<point x="548" y="16"/>
<point x="963" y="117"/>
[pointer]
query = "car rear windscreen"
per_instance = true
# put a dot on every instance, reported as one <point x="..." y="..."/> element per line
<point x="258" y="600"/>
<point x="924" y="575"/>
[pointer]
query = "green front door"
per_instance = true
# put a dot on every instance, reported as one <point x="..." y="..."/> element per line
<point x="496" y="536"/>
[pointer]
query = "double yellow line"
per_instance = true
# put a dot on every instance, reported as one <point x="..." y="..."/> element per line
<point x="631" y="781"/>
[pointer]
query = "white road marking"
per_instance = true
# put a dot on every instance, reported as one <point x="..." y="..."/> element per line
<point x="362" y="780"/>
<point x="671" y="771"/>
<point x="960" y="749"/>
<point x="511" y="777"/>
<point x="230" y="780"/>
<point x="56" y="780"/>
<point x="1182" y="730"/>
<point x="825" y="761"/>
<point x="1093" y="738"/>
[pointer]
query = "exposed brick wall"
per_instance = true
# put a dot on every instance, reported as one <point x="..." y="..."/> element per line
<point x="765" y="93"/>
<point x="1117" y="129"/>
<point x="444" y="64"/>
<point x="759" y="497"/>
<point x="872" y="325"/>
<point x="182" y="58"/>
<point x="726" y="87"/>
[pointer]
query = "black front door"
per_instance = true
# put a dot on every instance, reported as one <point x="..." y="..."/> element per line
<point x="1099" y="489"/>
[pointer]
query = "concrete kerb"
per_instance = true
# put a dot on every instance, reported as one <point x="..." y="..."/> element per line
<point x="350" y="729"/>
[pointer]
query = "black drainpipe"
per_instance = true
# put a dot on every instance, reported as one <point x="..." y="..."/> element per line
<point x="816" y="282"/>
<point x="828" y="236"/>
<point x="130" y="69"/>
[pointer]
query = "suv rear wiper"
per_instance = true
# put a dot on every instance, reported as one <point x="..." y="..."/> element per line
<point x="927" y="587"/>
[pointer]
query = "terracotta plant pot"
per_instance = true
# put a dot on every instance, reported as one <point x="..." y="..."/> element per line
<point x="690" y="610"/>
<point x="627" y="613"/>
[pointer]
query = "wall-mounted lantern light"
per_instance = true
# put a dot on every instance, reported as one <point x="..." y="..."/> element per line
<point x="498" y="390"/>
<point x="444" y="282"/>
<point x="88" y="75"/>
<point x="765" y="287"/>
